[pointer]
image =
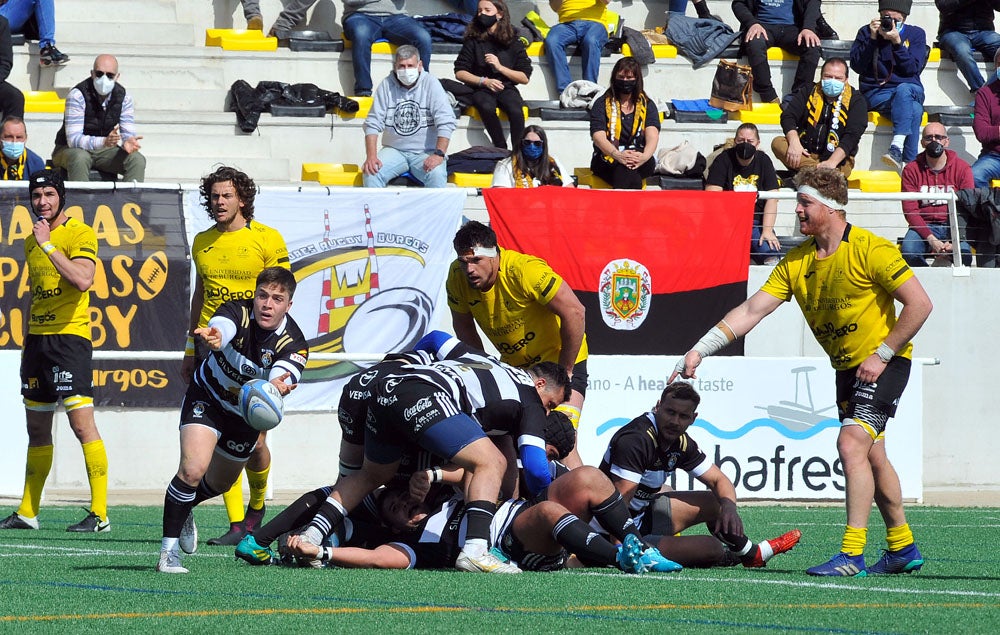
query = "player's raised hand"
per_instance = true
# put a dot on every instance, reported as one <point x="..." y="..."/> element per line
<point x="283" y="388"/>
<point x="211" y="336"/>
<point x="686" y="366"/>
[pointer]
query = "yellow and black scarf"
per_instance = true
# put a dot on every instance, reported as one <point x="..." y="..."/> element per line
<point x="613" y="110"/>
<point x="13" y="171"/>
<point x="834" y="127"/>
<point x="524" y="178"/>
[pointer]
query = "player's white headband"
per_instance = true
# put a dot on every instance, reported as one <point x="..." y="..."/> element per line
<point x="808" y="190"/>
<point x="482" y="252"/>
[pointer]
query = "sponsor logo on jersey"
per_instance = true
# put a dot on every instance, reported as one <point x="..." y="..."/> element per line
<point x="61" y="376"/>
<point x="422" y="404"/>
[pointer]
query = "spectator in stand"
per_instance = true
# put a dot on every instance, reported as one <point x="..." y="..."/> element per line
<point x="787" y="24"/>
<point x="251" y="11"/>
<point x="700" y="6"/>
<point x="986" y="125"/>
<point x="291" y="16"/>
<point x="935" y="170"/>
<point x="964" y="26"/>
<point x="889" y="55"/>
<point x="583" y="23"/>
<point x="823" y="123"/>
<point x="625" y="126"/>
<point x="743" y="168"/>
<point x="99" y="127"/>
<point x="368" y="20"/>
<point x="416" y="120"/>
<point x="18" y="12"/>
<point x="17" y="161"/>
<point x="11" y="98"/>
<point x="531" y="165"/>
<point x="491" y="64"/>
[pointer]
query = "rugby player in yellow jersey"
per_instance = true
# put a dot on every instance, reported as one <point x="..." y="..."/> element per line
<point x="524" y="309"/>
<point x="846" y="280"/>
<point x="61" y="254"/>
<point x="227" y="259"/>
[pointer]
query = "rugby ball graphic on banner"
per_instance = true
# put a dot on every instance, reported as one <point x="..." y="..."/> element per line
<point x="261" y="404"/>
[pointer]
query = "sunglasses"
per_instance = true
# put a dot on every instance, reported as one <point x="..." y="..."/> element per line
<point x="102" y="74"/>
<point x="533" y="144"/>
<point x="935" y="137"/>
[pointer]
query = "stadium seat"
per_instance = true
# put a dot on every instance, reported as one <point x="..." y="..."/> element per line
<point x="240" y="40"/>
<point x="584" y="177"/>
<point x="935" y="55"/>
<point x="471" y="111"/>
<point x="364" y="105"/>
<point x="660" y="51"/>
<point x="760" y="114"/>
<point x="778" y="54"/>
<point x="879" y="119"/>
<point x="43" y="101"/>
<point x="470" y="179"/>
<point x="564" y="114"/>
<point x="383" y="47"/>
<point x="875" y="181"/>
<point x="950" y="115"/>
<point x="342" y="174"/>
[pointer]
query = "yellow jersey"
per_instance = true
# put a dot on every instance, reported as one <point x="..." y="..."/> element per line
<point x="228" y="263"/>
<point x="513" y="313"/>
<point x="846" y="298"/>
<point x="591" y="10"/>
<point x="57" y="307"/>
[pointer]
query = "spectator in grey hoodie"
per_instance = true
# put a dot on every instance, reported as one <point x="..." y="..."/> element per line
<point x="412" y="112"/>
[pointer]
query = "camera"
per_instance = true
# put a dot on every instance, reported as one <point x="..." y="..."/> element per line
<point x="887" y="24"/>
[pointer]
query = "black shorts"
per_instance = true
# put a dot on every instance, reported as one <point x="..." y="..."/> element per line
<point x="872" y="403"/>
<point x="410" y="411"/>
<point x="236" y="439"/>
<point x="54" y="367"/>
<point x="578" y="381"/>
<point x="512" y="546"/>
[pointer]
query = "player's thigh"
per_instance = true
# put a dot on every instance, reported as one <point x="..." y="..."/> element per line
<point x="691" y="508"/>
<point x="197" y="449"/>
<point x="222" y="472"/>
<point x="533" y="527"/>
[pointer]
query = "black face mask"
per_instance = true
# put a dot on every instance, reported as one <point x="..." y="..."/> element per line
<point x="745" y="150"/>
<point x="935" y="149"/>
<point x="486" y="21"/>
<point x="624" y="86"/>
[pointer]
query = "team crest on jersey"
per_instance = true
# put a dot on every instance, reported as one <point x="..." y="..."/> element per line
<point x="624" y="291"/>
<point x="672" y="462"/>
<point x="198" y="410"/>
<point x="266" y="358"/>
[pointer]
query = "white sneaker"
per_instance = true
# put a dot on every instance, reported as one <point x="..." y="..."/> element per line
<point x="170" y="562"/>
<point x="488" y="562"/>
<point x="188" y="540"/>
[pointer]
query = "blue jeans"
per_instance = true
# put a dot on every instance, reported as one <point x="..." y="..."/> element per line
<point x="960" y="46"/>
<point x="395" y="163"/>
<point x="760" y="253"/>
<point x="986" y="168"/>
<point x="904" y="104"/>
<point x="589" y="36"/>
<point x="677" y="5"/>
<point x="915" y="248"/>
<point x="18" y="12"/>
<point x="363" y="29"/>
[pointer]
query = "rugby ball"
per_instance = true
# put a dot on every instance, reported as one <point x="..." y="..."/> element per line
<point x="261" y="404"/>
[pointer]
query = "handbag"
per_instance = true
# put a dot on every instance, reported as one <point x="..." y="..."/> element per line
<point x="732" y="88"/>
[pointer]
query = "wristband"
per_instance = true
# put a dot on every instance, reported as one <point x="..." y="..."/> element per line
<point x="325" y="554"/>
<point x="48" y="247"/>
<point x="885" y="353"/>
<point x="482" y="80"/>
<point x="189" y="345"/>
<point x="435" y="474"/>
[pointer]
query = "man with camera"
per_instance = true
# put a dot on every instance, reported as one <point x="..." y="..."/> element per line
<point x="889" y="55"/>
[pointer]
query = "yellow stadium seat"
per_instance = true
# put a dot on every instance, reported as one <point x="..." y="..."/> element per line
<point x="875" y="181"/>
<point x="995" y="183"/>
<point x="470" y="179"/>
<point x="364" y="105"/>
<point x="342" y="174"/>
<point x="778" y="54"/>
<point x="584" y="176"/>
<point x="879" y="119"/>
<point x="935" y="55"/>
<point x="43" y="101"/>
<point x="240" y="40"/>
<point x="761" y="113"/>
<point x="660" y="51"/>
<point x="471" y="111"/>
<point x="535" y="49"/>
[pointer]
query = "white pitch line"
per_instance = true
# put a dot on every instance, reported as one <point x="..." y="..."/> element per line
<point x="864" y="589"/>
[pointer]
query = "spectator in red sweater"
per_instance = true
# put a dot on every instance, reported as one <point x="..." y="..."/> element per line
<point x="935" y="170"/>
<point x="986" y="125"/>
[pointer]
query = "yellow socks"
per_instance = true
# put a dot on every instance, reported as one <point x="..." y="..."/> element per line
<point x="96" y="459"/>
<point x="258" y="487"/>
<point x="234" y="501"/>
<point x="854" y="540"/>
<point x="899" y="537"/>
<point x="36" y="470"/>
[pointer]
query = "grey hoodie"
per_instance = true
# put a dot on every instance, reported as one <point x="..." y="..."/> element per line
<point x="411" y="119"/>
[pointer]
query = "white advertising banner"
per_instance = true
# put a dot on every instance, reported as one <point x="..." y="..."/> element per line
<point x="769" y="423"/>
<point x="370" y="264"/>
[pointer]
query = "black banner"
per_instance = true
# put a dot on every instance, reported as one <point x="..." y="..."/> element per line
<point x="140" y="299"/>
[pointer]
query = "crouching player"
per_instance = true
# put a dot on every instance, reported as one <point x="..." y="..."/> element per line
<point x="249" y="339"/>
<point x="643" y="454"/>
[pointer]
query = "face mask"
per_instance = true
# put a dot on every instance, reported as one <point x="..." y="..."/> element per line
<point x="624" y="86"/>
<point x="408" y="76"/>
<point x="103" y="85"/>
<point x="745" y="150"/>
<point x="486" y="21"/>
<point x="935" y="149"/>
<point x="532" y="151"/>
<point x="832" y="87"/>
<point x="998" y="73"/>
<point x="13" y="149"/>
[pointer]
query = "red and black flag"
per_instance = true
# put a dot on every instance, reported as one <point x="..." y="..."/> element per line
<point x="654" y="270"/>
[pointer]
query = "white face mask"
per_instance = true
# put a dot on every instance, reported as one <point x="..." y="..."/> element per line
<point x="104" y="85"/>
<point x="408" y="76"/>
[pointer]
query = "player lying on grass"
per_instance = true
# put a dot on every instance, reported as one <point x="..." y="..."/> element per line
<point x="641" y="457"/>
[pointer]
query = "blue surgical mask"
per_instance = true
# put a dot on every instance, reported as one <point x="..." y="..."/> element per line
<point x="13" y="149"/>
<point x="832" y="87"/>
<point x="998" y="73"/>
<point x="532" y="151"/>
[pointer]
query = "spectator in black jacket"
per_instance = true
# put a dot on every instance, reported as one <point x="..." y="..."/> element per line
<point x="967" y="25"/>
<point x="11" y="99"/>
